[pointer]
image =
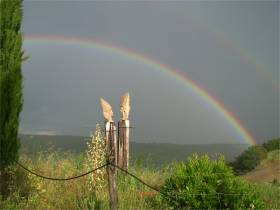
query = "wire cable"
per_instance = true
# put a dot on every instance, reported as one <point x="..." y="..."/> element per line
<point x="135" y="177"/>
<point x="61" y="179"/>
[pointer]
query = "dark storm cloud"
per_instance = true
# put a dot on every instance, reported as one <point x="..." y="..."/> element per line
<point x="229" y="48"/>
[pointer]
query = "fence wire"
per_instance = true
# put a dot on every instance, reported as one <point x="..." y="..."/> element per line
<point x="159" y="191"/>
<point x="127" y="172"/>
<point x="61" y="179"/>
<point x="137" y="178"/>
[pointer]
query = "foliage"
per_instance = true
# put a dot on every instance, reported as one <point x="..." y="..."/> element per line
<point x="274" y="155"/>
<point x="89" y="201"/>
<point x="273" y="158"/>
<point x="154" y="153"/>
<point x="249" y="159"/>
<point x="19" y="185"/>
<point x="77" y="194"/>
<point x="95" y="158"/>
<point x="11" y="79"/>
<point x="10" y="86"/>
<point x="200" y="183"/>
<point x="273" y="144"/>
<point x="270" y="194"/>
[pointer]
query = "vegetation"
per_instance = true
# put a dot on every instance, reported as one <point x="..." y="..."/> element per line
<point x="33" y="192"/>
<point x="249" y="159"/>
<point x="200" y="183"/>
<point x="256" y="155"/>
<point x="95" y="158"/>
<point x="267" y="170"/>
<point x="10" y="86"/>
<point x="273" y="155"/>
<point x="271" y="145"/>
<point x="32" y="144"/>
<point x="270" y="194"/>
<point x="77" y="194"/>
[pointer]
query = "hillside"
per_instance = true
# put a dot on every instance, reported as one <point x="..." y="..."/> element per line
<point x="268" y="170"/>
<point x="154" y="153"/>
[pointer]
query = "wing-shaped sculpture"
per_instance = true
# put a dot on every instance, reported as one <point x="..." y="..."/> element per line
<point x="107" y="110"/>
<point x="125" y="106"/>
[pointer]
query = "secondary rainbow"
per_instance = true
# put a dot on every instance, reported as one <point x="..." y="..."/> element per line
<point x="132" y="55"/>
<point x="220" y="37"/>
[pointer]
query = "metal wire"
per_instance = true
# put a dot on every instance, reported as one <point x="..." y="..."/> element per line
<point x="61" y="179"/>
<point x="135" y="177"/>
<point x="157" y="190"/>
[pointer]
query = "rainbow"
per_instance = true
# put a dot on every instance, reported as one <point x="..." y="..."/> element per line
<point x="233" y="121"/>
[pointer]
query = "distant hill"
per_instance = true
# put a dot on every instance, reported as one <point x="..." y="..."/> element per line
<point x="154" y="153"/>
<point x="268" y="170"/>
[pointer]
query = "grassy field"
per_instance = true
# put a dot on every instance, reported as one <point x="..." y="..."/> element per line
<point x="77" y="194"/>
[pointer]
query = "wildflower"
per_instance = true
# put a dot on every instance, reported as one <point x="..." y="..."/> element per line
<point x="95" y="158"/>
<point x="252" y="206"/>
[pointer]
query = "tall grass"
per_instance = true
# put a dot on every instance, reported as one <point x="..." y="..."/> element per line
<point x="270" y="194"/>
<point x="76" y="194"/>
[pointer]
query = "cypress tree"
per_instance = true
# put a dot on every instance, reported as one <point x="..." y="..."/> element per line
<point x="11" y="99"/>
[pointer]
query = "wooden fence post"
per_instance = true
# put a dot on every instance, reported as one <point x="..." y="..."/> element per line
<point x="123" y="137"/>
<point x="123" y="144"/>
<point x="111" y="157"/>
<point x="120" y="148"/>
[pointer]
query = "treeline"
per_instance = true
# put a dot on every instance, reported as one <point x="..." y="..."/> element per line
<point x="253" y="155"/>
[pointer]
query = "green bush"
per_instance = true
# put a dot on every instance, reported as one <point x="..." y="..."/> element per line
<point x="273" y="144"/>
<point x="249" y="159"/>
<point x="18" y="188"/>
<point x="17" y="181"/>
<point x="200" y="183"/>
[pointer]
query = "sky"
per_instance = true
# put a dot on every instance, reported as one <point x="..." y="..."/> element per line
<point x="228" y="48"/>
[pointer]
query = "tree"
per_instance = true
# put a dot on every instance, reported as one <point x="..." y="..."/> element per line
<point x="11" y="99"/>
<point x="249" y="159"/>
<point x="271" y="145"/>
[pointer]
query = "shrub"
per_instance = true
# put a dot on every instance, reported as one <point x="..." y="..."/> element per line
<point x="273" y="155"/>
<point x="95" y="158"/>
<point x="18" y="188"/>
<point x="249" y="159"/>
<point x="273" y="144"/>
<point x="200" y="183"/>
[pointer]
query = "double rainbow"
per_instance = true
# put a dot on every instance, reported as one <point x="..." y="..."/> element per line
<point x="173" y="73"/>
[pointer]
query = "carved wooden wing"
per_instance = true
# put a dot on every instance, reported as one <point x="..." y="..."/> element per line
<point x="107" y="110"/>
<point x="125" y="106"/>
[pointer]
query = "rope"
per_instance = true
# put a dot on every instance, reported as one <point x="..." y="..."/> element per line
<point x="61" y="179"/>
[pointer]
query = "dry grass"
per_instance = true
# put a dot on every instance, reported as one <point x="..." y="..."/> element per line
<point x="78" y="194"/>
<point x="267" y="173"/>
<point x="268" y="170"/>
